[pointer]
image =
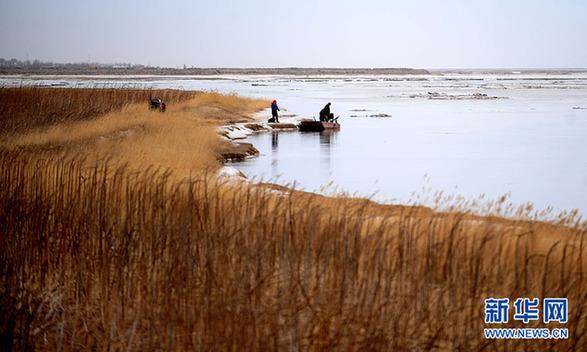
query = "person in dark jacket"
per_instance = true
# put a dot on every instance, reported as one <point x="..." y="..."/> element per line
<point x="325" y="114"/>
<point x="274" y="110"/>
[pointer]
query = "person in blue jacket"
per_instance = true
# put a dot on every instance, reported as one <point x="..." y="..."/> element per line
<point x="274" y="110"/>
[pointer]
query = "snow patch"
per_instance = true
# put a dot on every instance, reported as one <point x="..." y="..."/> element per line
<point x="231" y="172"/>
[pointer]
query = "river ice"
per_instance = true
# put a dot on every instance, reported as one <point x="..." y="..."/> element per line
<point x="463" y="134"/>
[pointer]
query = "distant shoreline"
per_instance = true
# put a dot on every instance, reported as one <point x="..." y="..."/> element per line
<point x="289" y="71"/>
<point x="295" y="71"/>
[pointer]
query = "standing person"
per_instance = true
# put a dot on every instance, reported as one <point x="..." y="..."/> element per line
<point x="325" y="114"/>
<point x="274" y="110"/>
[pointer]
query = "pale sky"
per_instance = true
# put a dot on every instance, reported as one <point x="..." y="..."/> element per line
<point x="330" y="33"/>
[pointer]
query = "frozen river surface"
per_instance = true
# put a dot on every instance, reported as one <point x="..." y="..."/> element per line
<point x="530" y="141"/>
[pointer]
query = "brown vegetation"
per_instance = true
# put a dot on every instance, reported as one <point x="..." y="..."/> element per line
<point x="26" y="108"/>
<point x="104" y="255"/>
<point x="183" y="138"/>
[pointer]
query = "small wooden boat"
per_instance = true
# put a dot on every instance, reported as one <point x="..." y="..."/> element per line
<point x="317" y="126"/>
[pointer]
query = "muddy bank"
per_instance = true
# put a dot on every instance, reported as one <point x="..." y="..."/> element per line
<point x="237" y="151"/>
<point x="234" y="149"/>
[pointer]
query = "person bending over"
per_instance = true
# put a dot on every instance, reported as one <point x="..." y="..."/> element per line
<point x="325" y="114"/>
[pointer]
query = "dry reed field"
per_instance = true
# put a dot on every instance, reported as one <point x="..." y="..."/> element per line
<point x="104" y="254"/>
<point x="25" y="108"/>
<point x="183" y="138"/>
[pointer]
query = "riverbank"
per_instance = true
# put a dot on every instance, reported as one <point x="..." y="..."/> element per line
<point x="118" y="233"/>
<point x="89" y="69"/>
<point x="113" y="124"/>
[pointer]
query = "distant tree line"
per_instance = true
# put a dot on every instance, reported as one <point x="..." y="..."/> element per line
<point x="14" y="66"/>
<point x="38" y="64"/>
